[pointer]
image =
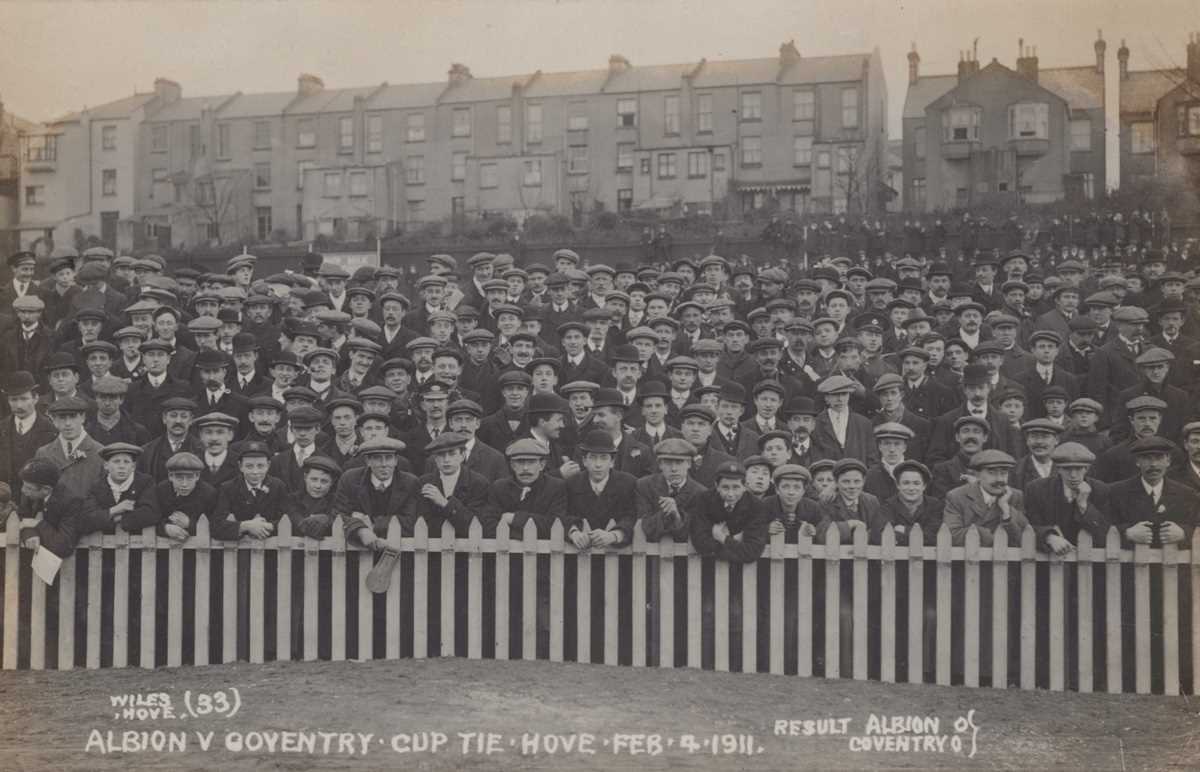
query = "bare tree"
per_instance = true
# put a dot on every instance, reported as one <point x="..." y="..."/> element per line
<point x="214" y="200"/>
<point x="858" y="176"/>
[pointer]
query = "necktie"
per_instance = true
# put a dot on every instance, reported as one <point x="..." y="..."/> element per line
<point x="71" y="450"/>
<point x="525" y="492"/>
<point x="433" y="433"/>
<point x="213" y="466"/>
<point x="212" y="399"/>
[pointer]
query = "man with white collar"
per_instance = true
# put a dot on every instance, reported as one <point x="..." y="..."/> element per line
<point x="216" y="431"/>
<point x="630" y="455"/>
<point x="463" y="416"/>
<point x="214" y="396"/>
<point x="23" y="266"/>
<point x="333" y="279"/>
<point x="367" y="497"/>
<point x="1149" y="508"/>
<point x="26" y="344"/>
<point x="970" y="323"/>
<point x="450" y="492"/>
<point x="600" y="283"/>
<point x="322" y="366"/>
<point x="24" y="430"/>
<point x="74" y="453"/>
<point x="304" y="423"/>
<point x="977" y="392"/>
<point x="1041" y="438"/>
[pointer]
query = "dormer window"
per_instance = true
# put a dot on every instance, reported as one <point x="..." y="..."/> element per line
<point x="961" y="124"/>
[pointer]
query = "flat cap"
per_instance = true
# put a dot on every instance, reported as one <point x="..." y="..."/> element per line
<point x="891" y="430"/>
<point x="305" y="415"/>
<point x="1130" y="315"/>
<point x="109" y="384"/>
<point x="912" y="465"/>
<point x="1145" y="402"/>
<point x="381" y="445"/>
<point x="696" y="410"/>
<point x="527" y="448"/>
<point x="28" y="303"/>
<point x="836" y="384"/>
<point x="845" y="465"/>
<point x="1152" y="444"/>
<point x="115" y="448"/>
<point x="447" y="441"/>
<point x="324" y="463"/>
<point x="1049" y="335"/>
<point x="972" y="420"/>
<point x="985" y="459"/>
<point x="1072" y="454"/>
<point x="1041" y="425"/>
<point x="791" y="472"/>
<point x="888" y="381"/>
<point x="1155" y="356"/>
<point x="515" y="378"/>
<point x="184" y="462"/>
<point x="464" y="406"/>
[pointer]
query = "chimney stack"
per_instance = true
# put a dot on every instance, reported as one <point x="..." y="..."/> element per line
<point x="788" y="54"/>
<point x="1100" y="47"/>
<point x="967" y="65"/>
<point x="459" y="73"/>
<point x="1193" y="58"/>
<point x="167" y="90"/>
<point x="914" y="64"/>
<point x="1027" y="62"/>
<point x="618" y="64"/>
<point x="1123" y="60"/>
<point x="307" y="85"/>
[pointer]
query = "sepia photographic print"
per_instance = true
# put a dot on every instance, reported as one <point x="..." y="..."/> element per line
<point x="599" y="384"/>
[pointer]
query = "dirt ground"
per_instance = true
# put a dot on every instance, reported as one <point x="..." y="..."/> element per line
<point x="60" y="720"/>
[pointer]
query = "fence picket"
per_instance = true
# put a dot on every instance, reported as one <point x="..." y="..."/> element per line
<point x="777" y="595"/>
<point x="120" y="615"/>
<point x="12" y="589"/>
<point x="66" y="612"/>
<point x="94" y="602"/>
<point x="612" y="606"/>
<point x="804" y="602"/>
<point x="283" y="590"/>
<point x="1112" y="611"/>
<point x="202" y="620"/>
<point x="749" y="617"/>
<point x="366" y="608"/>
<point x="502" y="588"/>
<point x="860" y="631"/>
<point x="694" y="613"/>
<point x="149" y="605"/>
<point x="666" y="602"/>
<point x="583" y="606"/>
<point x="916" y="605"/>
<point x="944" y="579"/>
<point x="420" y="612"/>
<point x="833" y="602"/>
<point x="338" y="618"/>
<point x="1000" y="560"/>
<point x="258" y="599"/>
<point x="311" y="577"/>
<point x="972" y="600"/>
<point x="449" y="589"/>
<point x="1170" y="616"/>
<point x="37" y="624"/>
<point x="720" y="616"/>
<point x="887" y="606"/>
<point x="392" y="598"/>
<point x="1058" y="624"/>
<point x="557" y="572"/>
<point x="529" y="591"/>
<point x="638" y="586"/>
<point x="174" y="604"/>
<point x="1028" y="610"/>
<point x="475" y="589"/>
<point x="229" y="600"/>
<point x="1141" y="610"/>
<point x="1084" y="617"/>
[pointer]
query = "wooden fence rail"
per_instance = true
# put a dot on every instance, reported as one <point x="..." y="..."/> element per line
<point x="1104" y="617"/>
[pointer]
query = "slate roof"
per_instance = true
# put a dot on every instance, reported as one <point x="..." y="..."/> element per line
<point x="120" y="108"/>
<point x="1141" y="91"/>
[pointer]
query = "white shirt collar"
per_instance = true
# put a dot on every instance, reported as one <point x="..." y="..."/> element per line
<point x="210" y="459"/>
<point x="1155" y="491"/>
<point x="449" y="483"/>
<point x="119" y="488"/>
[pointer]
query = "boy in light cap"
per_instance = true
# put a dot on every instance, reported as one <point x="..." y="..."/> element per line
<point x="175" y="504"/>
<point x="116" y="493"/>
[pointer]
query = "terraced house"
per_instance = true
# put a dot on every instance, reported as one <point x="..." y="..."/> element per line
<point x="796" y="132"/>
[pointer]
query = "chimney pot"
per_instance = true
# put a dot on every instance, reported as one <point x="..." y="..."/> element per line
<point x="618" y="63"/>
<point x="308" y="84"/>
<point x="167" y="90"/>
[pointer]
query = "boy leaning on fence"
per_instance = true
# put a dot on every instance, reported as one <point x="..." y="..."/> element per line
<point x="311" y="509"/>
<point x="1068" y="502"/>
<point x="49" y="515"/>
<point x="115" y="494"/>
<point x="452" y="492"/>
<point x="730" y="523"/>
<point x="252" y="503"/>
<point x="667" y="501"/>
<point x="176" y="504"/>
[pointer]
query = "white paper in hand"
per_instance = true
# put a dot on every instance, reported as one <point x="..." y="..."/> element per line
<point x="46" y="565"/>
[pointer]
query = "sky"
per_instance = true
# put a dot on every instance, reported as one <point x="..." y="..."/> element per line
<point x="56" y="57"/>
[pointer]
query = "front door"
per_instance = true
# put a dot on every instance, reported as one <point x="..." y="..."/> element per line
<point x="108" y="228"/>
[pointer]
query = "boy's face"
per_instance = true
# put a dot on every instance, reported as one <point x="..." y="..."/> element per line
<point x="373" y="430"/>
<point x="776" y="451"/>
<point x="758" y="479"/>
<point x="183" y="482"/>
<point x="682" y="378"/>
<point x="119" y="467"/>
<point x="790" y="490"/>
<point x="598" y="465"/>
<point x="254" y="468"/>
<point x="64" y="380"/>
<point x="731" y="490"/>
<point x="449" y="462"/>
<point x="342" y="419"/>
<point x="305" y="435"/>
<point x="1084" y="420"/>
<point x="1055" y="407"/>
<point x="34" y="491"/>
<point x="654" y="409"/>
<point x="1014" y="409"/>
<point x="156" y="361"/>
<point x="69" y="425"/>
<point x="98" y="363"/>
<point x="317" y="483"/>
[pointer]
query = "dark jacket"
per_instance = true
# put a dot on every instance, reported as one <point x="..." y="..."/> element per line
<point x="617" y="503"/>
<point x="545" y="503"/>
<point x="465" y="503"/>
<point x="807" y="511"/>
<point x="1048" y="511"/>
<point x="655" y="524"/>
<point x="356" y="493"/>
<point x="236" y="504"/>
<point x="95" y="515"/>
<point x="860" y="439"/>
<point x="16" y="449"/>
<point x="158" y="502"/>
<point x="748" y="520"/>
<point x="155" y="453"/>
<point x="1129" y="504"/>
<point x="1112" y="370"/>
<point x="895" y="513"/>
<point x="59" y="522"/>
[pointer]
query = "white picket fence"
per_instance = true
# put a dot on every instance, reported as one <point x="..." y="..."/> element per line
<point x="1066" y="595"/>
